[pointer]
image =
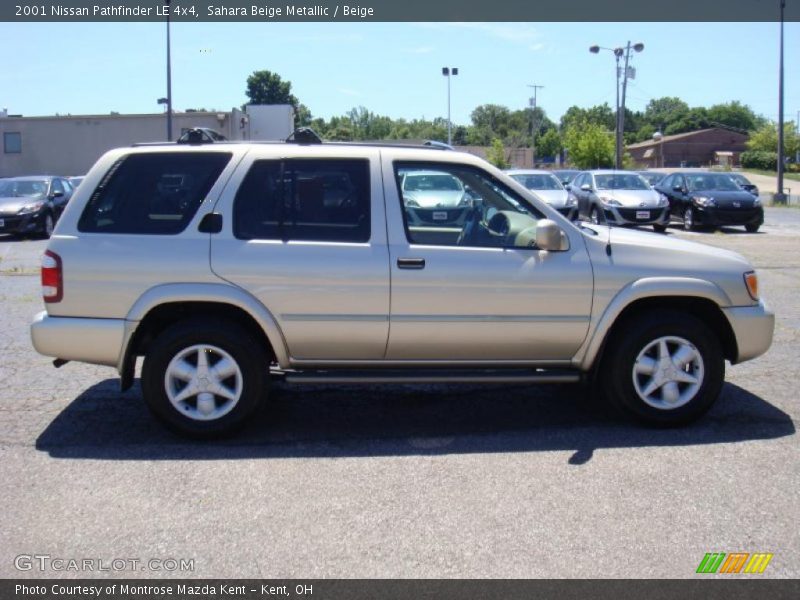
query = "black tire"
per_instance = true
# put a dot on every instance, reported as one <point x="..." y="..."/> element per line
<point x="752" y="228"/>
<point x="659" y="228"/>
<point x="633" y="337"/>
<point x="48" y="224"/>
<point x="689" y="221"/>
<point x="224" y="336"/>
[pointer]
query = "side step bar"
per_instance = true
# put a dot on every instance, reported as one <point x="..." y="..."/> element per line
<point x="432" y="376"/>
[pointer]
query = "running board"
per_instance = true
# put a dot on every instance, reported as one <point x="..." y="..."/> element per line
<point x="432" y="376"/>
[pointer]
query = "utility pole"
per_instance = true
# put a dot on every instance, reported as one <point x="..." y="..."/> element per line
<point x="169" y="79"/>
<point x="797" y="132"/>
<point x="447" y="72"/>
<point x="625" y="76"/>
<point x="780" y="198"/>
<point x="532" y="102"/>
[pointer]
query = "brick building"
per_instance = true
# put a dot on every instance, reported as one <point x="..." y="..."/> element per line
<point x="701" y="148"/>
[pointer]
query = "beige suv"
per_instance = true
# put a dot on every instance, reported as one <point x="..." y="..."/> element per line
<point x="227" y="264"/>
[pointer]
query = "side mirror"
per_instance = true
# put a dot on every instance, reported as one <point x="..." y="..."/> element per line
<point x="586" y="187"/>
<point x="677" y="188"/>
<point x="57" y="194"/>
<point x="549" y="236"/>
<point x="567" y="187"/>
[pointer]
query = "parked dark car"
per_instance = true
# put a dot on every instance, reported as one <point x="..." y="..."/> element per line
<point x="652" y="177"/>
<point x="566" y="176"/>
<point x="32" y="205"/>
<point x="744" y="183"/>
<point x="711" y="200"/>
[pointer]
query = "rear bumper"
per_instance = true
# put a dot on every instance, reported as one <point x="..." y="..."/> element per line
<point x="96" y="341"/>
<point x="753" y="327"/>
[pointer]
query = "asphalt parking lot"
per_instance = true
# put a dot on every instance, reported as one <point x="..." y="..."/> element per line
<point x="403" y="481"/>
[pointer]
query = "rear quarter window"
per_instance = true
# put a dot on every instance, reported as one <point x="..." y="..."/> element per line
<point x="152" y="193"/>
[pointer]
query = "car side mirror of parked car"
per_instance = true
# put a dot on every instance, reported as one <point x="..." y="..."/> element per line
<point x="568" y="187"/>
<point x="677" y="188"/>
<point x="586" y="187"/>
<point x="549" y="236"/>
<point x="57" y="194"/>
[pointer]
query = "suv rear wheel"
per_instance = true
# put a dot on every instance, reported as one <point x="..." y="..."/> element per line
<point x="204" y="378"/>
<point x="663" y="368"/>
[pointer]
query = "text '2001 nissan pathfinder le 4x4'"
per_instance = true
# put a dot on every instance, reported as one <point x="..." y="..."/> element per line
<point x="223" y="264"/>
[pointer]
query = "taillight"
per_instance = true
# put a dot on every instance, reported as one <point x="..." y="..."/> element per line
<point x="52" y="280"/>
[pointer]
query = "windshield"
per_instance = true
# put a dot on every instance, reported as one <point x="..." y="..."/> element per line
<point x="621" y="181"/>
<point x="740" y="179"/>
<point x="699" y="183"/>
<point x="652" y="178"/>
<point x="10" y="189"/>
<point x="431" y="182"/>
<point x="539" y="181"/>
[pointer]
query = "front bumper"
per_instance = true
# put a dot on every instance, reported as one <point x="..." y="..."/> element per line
<point x="718" y="217"/>
<point x="753" y="327"/>
<point x="617" y="215"/>
<point x="96" y="341"/>
<point x="20" y="224"/>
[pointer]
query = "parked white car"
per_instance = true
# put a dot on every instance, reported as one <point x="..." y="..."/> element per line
<point x="548" y="187"/>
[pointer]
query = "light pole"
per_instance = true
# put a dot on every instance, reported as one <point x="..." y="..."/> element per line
<point x="533" y="120"/>
<point x="619" y="53"/>
<point x="780" y="197"/>
<point x="447" y="71"/>
<point x="169" y="79"/>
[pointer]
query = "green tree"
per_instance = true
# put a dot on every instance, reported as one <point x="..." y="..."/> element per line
<point x="734" y="114"/>
<point x="549" y="143"/>
<point x="589" y="146"/>
<point x="601" y="115"/>
<point x="266" y="87"/>
<point x="497" y="154"/>
<point x="661" y="113"/>
<point x="765" y="139"/>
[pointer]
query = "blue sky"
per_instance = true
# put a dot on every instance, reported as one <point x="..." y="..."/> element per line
<point x="391" y="68"/>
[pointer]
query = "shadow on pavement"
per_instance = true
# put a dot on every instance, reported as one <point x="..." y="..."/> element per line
<point x="398" y="420"/>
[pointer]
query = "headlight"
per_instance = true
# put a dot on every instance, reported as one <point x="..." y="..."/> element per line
<point x="704" y="201"/>
<point x="609" y="201"/>
<point x="662" y="200"/>
<point x="570" y="201"/>
<point x="31" y="208"/>
<point x="756" y="201"/>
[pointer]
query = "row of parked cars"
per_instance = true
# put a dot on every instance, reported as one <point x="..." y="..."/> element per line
<point x="693" y="199"/>
<point x="32" y="205"/>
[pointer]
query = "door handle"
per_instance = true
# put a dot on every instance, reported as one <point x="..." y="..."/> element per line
<point x="410" y="263"/>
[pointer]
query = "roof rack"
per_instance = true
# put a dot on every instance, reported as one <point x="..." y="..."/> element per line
<point x="302" y="136"/>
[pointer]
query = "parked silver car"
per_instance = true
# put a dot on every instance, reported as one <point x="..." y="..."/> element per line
<point x="619" y="198"/>
<point x="230" y="264"/>
<point x="546" y="186"/>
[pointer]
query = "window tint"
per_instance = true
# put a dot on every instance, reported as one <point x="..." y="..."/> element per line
<point x="57" y="187"/>
<point x="155" y="193"/>
<point x="325" y="200"/>
<point x="469" y="208"/>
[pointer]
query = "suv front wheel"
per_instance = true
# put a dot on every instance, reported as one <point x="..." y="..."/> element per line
<point x="663" y="368"/>
<point x="204" y="378"/>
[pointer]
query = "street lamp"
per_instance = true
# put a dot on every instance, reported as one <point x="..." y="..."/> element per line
<point x="780" y="197"/>
<point x="447" y="72"/>
<point x="618" y="54"/>
<point x="658" y="138"/>
<point x="169" y="79"/>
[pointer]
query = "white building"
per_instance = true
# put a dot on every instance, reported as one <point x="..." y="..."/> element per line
<point x="70" y="145"/>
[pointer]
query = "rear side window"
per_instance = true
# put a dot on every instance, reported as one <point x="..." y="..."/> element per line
<point x="156" y="193"/>
<point x="325" y="200"/>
